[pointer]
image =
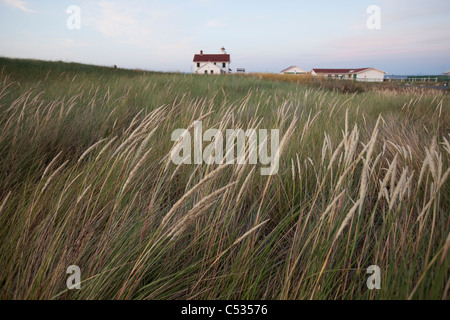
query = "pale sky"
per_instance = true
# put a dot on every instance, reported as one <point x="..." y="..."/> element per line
<point x="260" y="35"/>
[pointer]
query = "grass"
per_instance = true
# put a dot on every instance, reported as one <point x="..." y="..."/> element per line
<point x="348" y="86"/>
<point x="85" y="180"/>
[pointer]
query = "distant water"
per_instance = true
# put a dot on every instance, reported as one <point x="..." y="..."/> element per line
<point x="405" y="77"/>
<point x="390" y="76"/>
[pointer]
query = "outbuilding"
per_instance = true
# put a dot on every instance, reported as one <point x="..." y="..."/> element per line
<point x="293" y="70"/>
<point x="357" y="74"/>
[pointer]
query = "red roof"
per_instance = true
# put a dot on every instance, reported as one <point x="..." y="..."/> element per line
<point x="212" y="58"/>
<point x="339" y="71"/>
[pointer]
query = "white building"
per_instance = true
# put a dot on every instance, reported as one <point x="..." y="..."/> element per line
<point x="212" y="63"/>
<point x="293" y="70"/>
<point x="361" y="74"/>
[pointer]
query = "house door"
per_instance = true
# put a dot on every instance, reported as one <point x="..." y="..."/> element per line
<point x="354" y="77"/>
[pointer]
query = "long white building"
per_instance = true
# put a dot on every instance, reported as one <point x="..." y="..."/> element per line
<point x="361" y="74"/>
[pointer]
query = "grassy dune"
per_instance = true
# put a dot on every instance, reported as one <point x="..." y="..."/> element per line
<point x="86" y="179"/>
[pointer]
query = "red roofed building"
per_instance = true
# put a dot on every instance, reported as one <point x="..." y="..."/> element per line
<point x="357" y="74"/>
<point x="212" y="63"/>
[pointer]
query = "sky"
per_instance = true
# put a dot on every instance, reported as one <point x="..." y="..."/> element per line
<point x="262" y="36"/>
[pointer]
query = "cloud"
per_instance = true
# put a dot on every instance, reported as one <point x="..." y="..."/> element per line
<point x="119" y="21"/>
<point x="413" y="11"/>
<point x="216" y="24"/>
<point x="19" y="4"/>
<point x="149" y="28"/>
<point x="384" y="44"/>
<point x="70" y="43"/>
<point x="134" y="22"/>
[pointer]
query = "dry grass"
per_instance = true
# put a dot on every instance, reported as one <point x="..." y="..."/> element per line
<point x="86" y="179"/>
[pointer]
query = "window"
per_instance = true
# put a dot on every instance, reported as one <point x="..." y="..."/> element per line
<point x="198" y="64"/>
<point x="206" y="71"/>
<point x="214" y="63"/>
<point x="224" y="65"/>
<point x="212" y="71"/>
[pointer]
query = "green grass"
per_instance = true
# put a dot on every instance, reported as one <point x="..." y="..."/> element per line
<point x="85" y="180"/>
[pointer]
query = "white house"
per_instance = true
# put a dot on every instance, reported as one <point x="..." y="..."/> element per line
<point x="212" y="63"/>
<point x="447" y="73"/>
<point x="361" y="74"/>
<point x="293" y="70"/>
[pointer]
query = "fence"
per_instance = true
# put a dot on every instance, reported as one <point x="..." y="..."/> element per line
<point x="414" y="79"/>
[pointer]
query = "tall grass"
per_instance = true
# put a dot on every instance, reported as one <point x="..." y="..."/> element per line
<point x="86" y="179"/>
<point x="346" y="86"/>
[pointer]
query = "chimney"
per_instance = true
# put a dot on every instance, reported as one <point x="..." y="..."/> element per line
<point x="201" y="51"/>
